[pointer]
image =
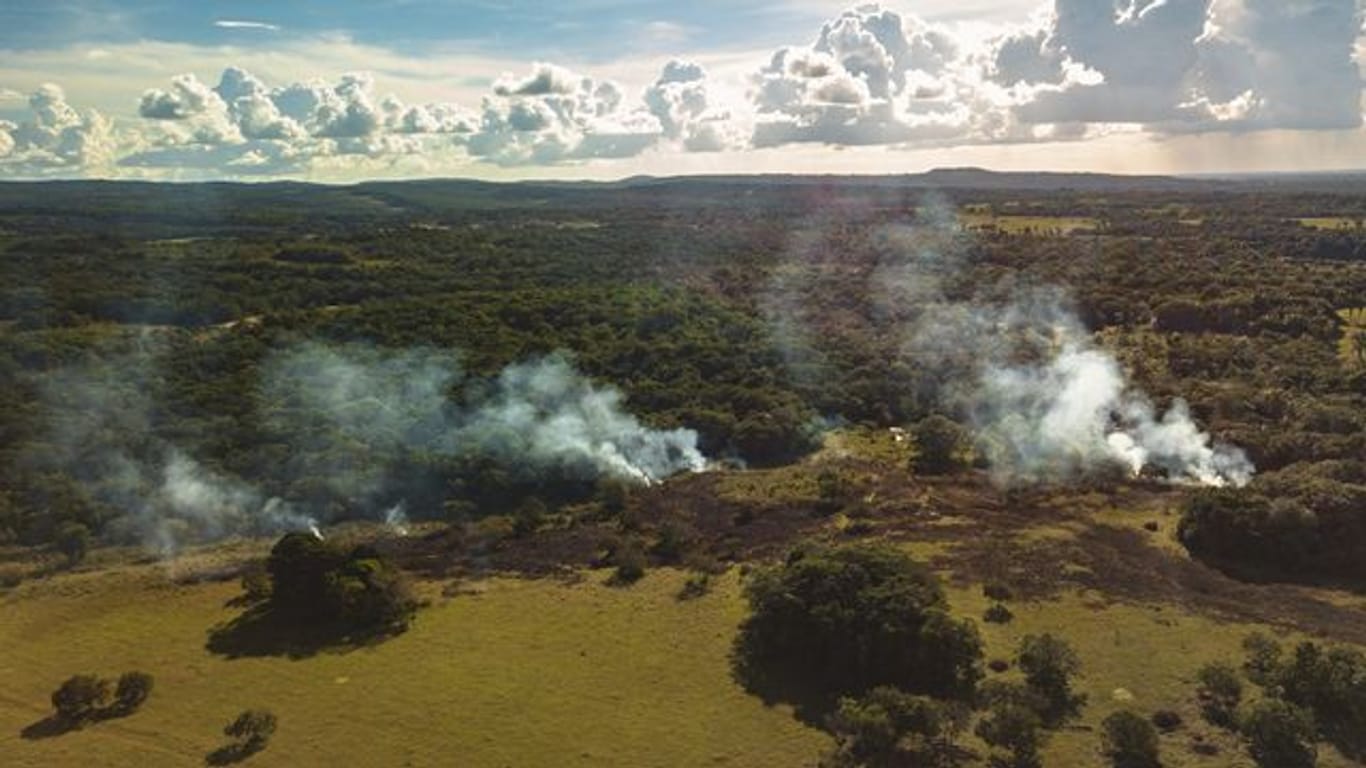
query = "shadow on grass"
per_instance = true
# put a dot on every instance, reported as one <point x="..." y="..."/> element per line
<point x="231" y="753"/>
<point x="49" y="727"/>
<point x="262" y="632"/>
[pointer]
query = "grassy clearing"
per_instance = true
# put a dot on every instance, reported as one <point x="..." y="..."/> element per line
<point x="524" y="673"/>
<point x="1350" y="347"/>
<point x="1329" y="222"/>
<point x="1011" y="224"/>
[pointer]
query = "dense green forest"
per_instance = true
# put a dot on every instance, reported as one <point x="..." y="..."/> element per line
<point x="144" y="323"/>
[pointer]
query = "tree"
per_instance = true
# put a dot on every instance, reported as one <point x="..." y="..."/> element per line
<point x="1048" y="664"/>
<point x="80" y="698"/>
<point x="1014" y="728"/>
<point x="844" y="620"/>
<point x="73" y="540"/>
<point x="1279" y="735"/>
<point x="939" y="443"/>
<point x="131" y="691"/>
<point x="1130" y="741"/>
<point x="251" y="730"/>
<point x="317" y="581"/>
<point x="887" y="727"/>
<point x="1221" y="690"/>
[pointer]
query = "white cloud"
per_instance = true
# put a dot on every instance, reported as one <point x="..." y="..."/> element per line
<point x="56" y="138"/>
<point x="681" y="99"/>
<point x="241" y="24"/>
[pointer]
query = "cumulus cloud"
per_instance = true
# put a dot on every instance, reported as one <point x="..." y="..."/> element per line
<point x="1190" y="65"/>
<point x="56" y="137"/>
<point x="553" y="115"/>
<point x="682" y="101"/>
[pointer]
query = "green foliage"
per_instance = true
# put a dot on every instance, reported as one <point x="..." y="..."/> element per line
<point x="313" y="580"/>
<point x="251" y="729"/>
<point x="1130" y="741"/>
<point x="132" y="690"/>
<point x="889" y="727"/>
<point x="80" y="698"/>
<point x="629" y="558"/>
<point x="997" y="614"/>
<point x="1014" y="730"/>
<point x="1279" y="735"/>
<point x="1221" y="691"/>
<point x="940" y="444"/>
<point x="73" y="540"/>
<point x="1049" y="664"/>
<point x="1327" y="683"/>
<point x="843" y="620"/>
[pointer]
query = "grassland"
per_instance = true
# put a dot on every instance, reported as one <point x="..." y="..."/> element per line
<point x="1332" y="223"/>
<point x="520" y="672"/>
<point x="1350" y="349"/>
<point x="1022" y="224"/>
<point x="512" y="673"/>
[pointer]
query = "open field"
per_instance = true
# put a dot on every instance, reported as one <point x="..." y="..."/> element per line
<point x="1330" y="223"/>
<point x="1021" y="224"/>
<point x="515" y="671"/>
<point x="512" y="674"/>
<point x="1351" y="349"/>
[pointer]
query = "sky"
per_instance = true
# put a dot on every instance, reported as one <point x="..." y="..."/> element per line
<point x="343" y="90"/>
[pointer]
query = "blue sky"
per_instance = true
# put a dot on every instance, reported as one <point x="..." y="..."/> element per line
<point x="342" y="90"/>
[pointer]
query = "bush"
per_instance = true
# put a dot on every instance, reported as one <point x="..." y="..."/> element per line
<point x="1015" y="729"/>
<point x="11" y="575"/>
<point x="1130" y="741"/>
<point x="940" y="444"/>
<point x="73" y="540"/>
<point x="80" y="698"/>
<point x="1329" y="683"/>
<point x="1167" y="721"/>
<point x="630" y="562"/>
<point x="1221" y="690"/>
<point x="697" y="585"/>
<point x="847" y="619"/>
<point x="997" y="591"/>
<point x="887" y="726"/>
<point x="251" y="730"/>
<point x="131" y="691"/>
<point x="998" y="614"/>
<point x="1279" y="735"/>
<point x="1048" y="664"/>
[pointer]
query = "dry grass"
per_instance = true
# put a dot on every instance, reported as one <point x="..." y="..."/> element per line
<point x="1012" y="224"/>
<point x="524" y="673"/>
<point x="1330" y="222"/>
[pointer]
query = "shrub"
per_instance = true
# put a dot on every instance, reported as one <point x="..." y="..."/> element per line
<point x="997" y="591"/>
<point x="887" y="726"/>
<point x="998" y="614"/>
<point x="1049" y="664"/>
<point x="256" y="585"/>
<point x="131" y="691"/>
<point x="1015" y="729"/>
<point x="998" y="665"/>
<point x="846" y="619"/>
<point x="1221" y="690"/>
<point x="940" y="444"/>
<point x="1167" y="720"/>
<point x="1279" y="735"/>
<point x="528" y="517"/>
<point x="1130" y="741"/>
<point x="251" y="730"/>
<point x="11" y="575"/>
<point x="73" y="540"/>
<point x="80" y="698"/>
<point x="697" y="585"/>
<point x="630" y="562"/>
<point x="313" y="580"/>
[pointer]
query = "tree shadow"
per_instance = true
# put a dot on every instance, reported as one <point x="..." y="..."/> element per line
<point x="261" y="632"/>
<point x="49" y="727"/>
<point x="230" y="753"/>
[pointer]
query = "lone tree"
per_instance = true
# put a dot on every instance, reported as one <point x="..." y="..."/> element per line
<point x="1013" y="727"/>
<point x="1049" y="664"/>
<point x="251" y="731"/>
<point x="1220" y="692"/>
<point x="939" y="443"/>
<point x="837" y="621"/>
<point x="312" y="580"/>
<point x="80" y="698"/>
<point x="1130" y="741"/>
<point x="73" y="540"/>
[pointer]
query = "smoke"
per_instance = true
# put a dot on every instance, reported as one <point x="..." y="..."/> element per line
<point x="396" y="519"/>
<point x="1046" y="403"/>
<point x="534" y="417"/>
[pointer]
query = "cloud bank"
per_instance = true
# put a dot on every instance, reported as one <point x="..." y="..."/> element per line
<point x="870" y="76"/>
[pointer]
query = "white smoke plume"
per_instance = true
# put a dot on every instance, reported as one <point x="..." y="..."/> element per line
<point x="1046" y="402"/>
<point x="396" y="519"/>
<point x="535" y="416"/>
